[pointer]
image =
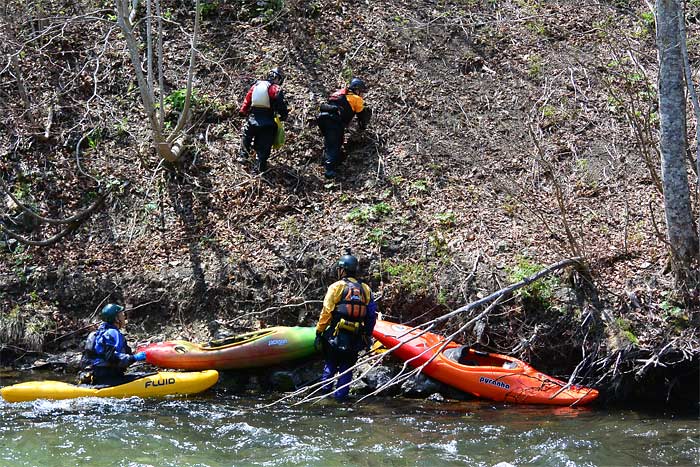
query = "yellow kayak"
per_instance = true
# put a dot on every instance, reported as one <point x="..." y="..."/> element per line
<point x="156" y="385"/>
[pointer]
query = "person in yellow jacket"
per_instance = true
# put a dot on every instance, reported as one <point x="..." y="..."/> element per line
<point x="345" y="325"/>
<point x="334" y="118"/>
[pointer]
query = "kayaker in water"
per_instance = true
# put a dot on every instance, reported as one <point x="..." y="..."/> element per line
<point x="345" y="325"/>
<point x="107" y="355"/>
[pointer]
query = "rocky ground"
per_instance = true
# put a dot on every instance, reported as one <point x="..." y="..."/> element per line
<point x="506" y="136"/>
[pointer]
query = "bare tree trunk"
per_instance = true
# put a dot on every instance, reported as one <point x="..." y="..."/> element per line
<point x="696" y="105"/>
<point x="169" y="147"/>
<point x="185" y="115"/>
<point x="7" y="35"/>
<point x="123" y="13"/>
<point x="679" y="220"/>
<point x="161" y="84"/>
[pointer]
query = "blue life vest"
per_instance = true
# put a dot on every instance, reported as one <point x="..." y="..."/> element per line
<point x="99" y="351"/>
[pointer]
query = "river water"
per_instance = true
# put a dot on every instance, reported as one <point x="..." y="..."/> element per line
<point x="222" y="429"/>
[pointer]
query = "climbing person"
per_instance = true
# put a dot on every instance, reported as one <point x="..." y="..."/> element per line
<point x="106" y="355"/>
<point x="335" y="116"/>
<point x="345" y="325"/>
<point x="264" y="99"/>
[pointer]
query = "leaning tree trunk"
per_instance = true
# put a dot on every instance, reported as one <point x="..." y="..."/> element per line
<point x="682" y="236"/>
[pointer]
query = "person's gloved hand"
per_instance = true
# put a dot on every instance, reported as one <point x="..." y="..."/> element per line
<point x="139" y="357"/>
<point x="317" y="342"/>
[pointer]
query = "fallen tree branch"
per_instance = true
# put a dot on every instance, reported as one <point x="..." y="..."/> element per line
<point x="73" y="222"/>
<point x="654" y="360"/>
<point x="48" y="220"/>
<point x="511" y="288"/>
<point x="47" y="242"/>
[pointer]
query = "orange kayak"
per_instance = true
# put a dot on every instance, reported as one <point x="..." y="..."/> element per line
<point x="487" y="375"/>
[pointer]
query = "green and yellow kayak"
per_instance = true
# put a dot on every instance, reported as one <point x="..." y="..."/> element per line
<point x="257" y="349"/>
<point x="156" y="385"/>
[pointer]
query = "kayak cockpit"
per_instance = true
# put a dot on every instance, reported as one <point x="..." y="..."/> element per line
<point x="239" y="339"/>
<point x="465" y="355"/>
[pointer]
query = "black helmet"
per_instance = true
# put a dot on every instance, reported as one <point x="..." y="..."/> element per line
<point x="349" y="263"/>
<point x="110" y="311"/>
<point x="276" y="74"/>
<point x="357" y="85"/>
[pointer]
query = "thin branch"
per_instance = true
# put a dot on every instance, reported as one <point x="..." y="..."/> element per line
<point x="49" y="241"/>
<point x="73" y="222"/>
<point x="149" y="47"/>
<point x="77" y="154"/>
<point x="559" y="196"/>
<point x="269" y="309"/>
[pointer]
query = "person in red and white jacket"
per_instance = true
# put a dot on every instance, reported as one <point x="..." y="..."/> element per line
<point x="264" y="99"/>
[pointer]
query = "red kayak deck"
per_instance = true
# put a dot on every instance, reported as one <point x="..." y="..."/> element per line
<point x="487" y="375"/>
<point x="255" y="349"/>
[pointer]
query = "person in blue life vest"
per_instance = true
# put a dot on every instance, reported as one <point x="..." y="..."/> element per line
<point x="335" y="116"/>
<point x="106" y="355"/>
<point x="264" y="99"/>
<point x="345" y="325"/>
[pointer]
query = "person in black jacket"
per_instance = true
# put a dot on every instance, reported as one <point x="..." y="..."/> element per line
<point x="264" y="99"/>
<point x="334" y="118"/>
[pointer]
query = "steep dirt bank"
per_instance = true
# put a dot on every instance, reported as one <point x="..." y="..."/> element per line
<point x="445" y="198"/>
